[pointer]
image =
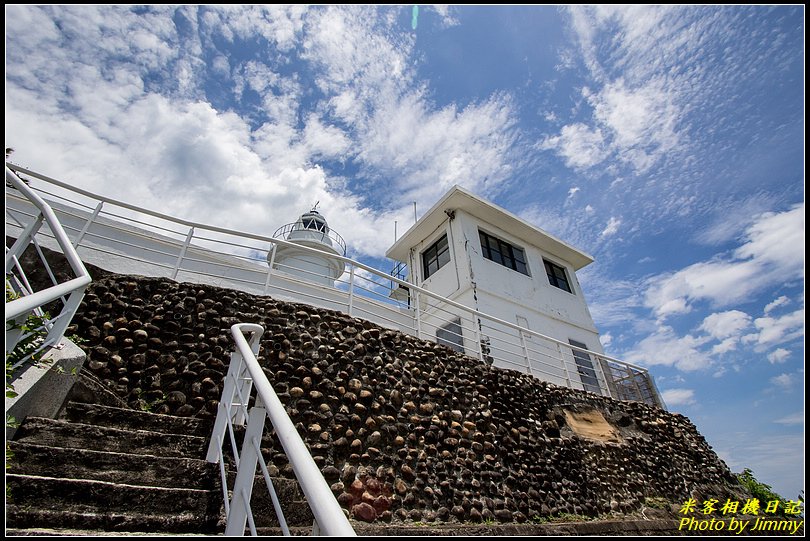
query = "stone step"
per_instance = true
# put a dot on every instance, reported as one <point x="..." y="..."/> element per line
<point x="21" y="520"/>
<point x="293" y="504"/>
<point x="57" y="433"/>
<point x="113" y="467"/>
<point x="94" y="414"/>
<point x="116" y="506"/>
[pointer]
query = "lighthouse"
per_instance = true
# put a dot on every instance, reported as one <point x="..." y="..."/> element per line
<point x="311" y="231"/>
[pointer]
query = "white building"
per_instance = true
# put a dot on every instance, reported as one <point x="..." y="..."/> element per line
<point x="482" y="256"/>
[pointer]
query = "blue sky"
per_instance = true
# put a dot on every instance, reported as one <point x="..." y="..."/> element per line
<point x="668" y="142"/>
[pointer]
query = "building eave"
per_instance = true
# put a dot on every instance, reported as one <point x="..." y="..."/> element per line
<point x="457" y="198"/>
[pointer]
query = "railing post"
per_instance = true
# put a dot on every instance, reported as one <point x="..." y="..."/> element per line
<point x="225" y="405"/>
<point x="525" y="352"/>
<point x="22" y="242"/>
<point x="477" y="327"/>
<point x="271" y="262"/>
<point x="243" y="486"/>
<point x="418" y="314"/>
<point x="351" y="292"/>
<point x="88" y="224"/>
<point x="597" y="365"/>
<point x="565" y="367"/>
<point x="182" y="253"/>
<point x="57" y="331"/>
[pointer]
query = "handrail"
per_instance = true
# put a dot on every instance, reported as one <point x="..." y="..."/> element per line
<point x="71" y="292"/>
<point x="419" y="314"/>
<point x="245" y="372"/>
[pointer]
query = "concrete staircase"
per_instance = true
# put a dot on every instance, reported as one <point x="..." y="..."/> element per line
<point x="106" y="469"/>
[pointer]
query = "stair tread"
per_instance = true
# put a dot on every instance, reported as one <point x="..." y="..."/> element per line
<point x="67" y="423"/>
<point x="113" y="416"/>
<point x="25" y="518"/>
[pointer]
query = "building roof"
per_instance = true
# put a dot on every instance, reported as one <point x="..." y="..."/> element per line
<point x="460" y="199"/>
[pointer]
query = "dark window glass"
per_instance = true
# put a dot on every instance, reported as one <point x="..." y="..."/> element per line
<point x="435" y="257"/>
<point x="450" y="335"/>
<point x="557" y="276"/>
<point x="503" y="253"/>
<point x="587" y="374"/>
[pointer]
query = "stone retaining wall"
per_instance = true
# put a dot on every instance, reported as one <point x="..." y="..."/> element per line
<point x="403" y="429"/>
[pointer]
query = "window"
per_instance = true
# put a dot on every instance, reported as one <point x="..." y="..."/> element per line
<point x="557" y="277"/>
<point x="504" y="253"/>
<point x="435" y="257"/>
<point x="587" y="374"/>
<point x="450" y="335"/>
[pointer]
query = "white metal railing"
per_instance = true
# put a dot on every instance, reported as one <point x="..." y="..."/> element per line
<point x="109" y="233"/>
<point x="245" y="376"/>
<point x="21" y="299"/>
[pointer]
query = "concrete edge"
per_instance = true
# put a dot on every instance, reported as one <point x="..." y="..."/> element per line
<point x="42" y="389"/>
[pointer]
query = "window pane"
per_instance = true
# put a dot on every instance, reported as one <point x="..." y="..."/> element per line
<point x="520" y="266"/>
<point x="436" y="256"/>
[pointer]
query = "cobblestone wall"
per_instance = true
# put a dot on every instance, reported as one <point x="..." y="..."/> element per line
<point x="403" y="429"/>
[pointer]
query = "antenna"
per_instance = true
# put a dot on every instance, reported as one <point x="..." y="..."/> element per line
<point x="315" y="206"/>
<point x="395" y="230"/>
<point x="414" y="212"/>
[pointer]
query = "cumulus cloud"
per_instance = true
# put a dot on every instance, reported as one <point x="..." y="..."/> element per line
<point x="126" y="101"/>
<point x="580" y="146"/>
<point x="783" y="381"/>
<point x="778" y="356"/>
<point x="727" y="324"/>
<point x="665" y="347"/>
<point x="678" y="397"/>
<point x="776" y="303"/>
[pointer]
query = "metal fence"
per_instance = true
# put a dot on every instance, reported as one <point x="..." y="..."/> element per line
<point x="126" y="238"/>
<point x="244" y="379"/>
<point x="30" y="325"/>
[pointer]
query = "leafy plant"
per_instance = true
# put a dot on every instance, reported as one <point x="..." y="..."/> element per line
<point x="764" y="493"/>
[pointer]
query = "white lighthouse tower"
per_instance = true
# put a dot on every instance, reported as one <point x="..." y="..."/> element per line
<point x="312" y="231"/>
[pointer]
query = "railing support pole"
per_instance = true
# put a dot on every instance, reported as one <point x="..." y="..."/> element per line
<point x="88" y="224"/>
<point x="243" y="486"/>
<point x="182" y="253"/>
<point x="270" y="264"/>
<point x="351" y="292"/>
<point x="224" y="408"/>
<point x="525" y="352"/>
<point x="418" y="314"/>
<point x="565" y="366"/>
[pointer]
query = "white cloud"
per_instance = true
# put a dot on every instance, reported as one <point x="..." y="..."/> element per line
<point x="116" y="99"/>
<point x="783" y="381"/>
<point x="573" y="191"/>
<point x="778" y="356"/>
<point x="664" y="347"/>
<point x="722" y="325"/>
<point x="678" y="397"/>
<point x="769" y="255"/>
<point x="612" y="227"/>
<point x="792" y="419"/>
<point x="606" y="339"/>
<point x="780" y="329"/>
<point x="776" y="303"/>
<point x="580" y="146"/>
<point x="642" y="120"/>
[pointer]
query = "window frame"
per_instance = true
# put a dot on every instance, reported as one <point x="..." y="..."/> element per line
<point x="553" y="279"/>
<point x="508" y="255"/>
<point x="437" y="256"/>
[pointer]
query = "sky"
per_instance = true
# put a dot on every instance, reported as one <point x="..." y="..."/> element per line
<point x="667" y="142"/>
